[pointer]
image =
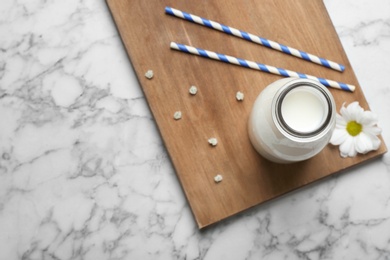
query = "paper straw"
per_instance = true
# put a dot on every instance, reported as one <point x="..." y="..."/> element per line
<point x="254" y="38"/>
<point x="259" y="66"/>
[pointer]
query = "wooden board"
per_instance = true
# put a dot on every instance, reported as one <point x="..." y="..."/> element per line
<point x="248" y="179"/>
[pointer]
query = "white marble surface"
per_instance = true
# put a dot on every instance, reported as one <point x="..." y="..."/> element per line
<point x="84" y="173"/>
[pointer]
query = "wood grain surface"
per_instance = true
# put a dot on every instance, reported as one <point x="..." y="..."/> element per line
<point x="248" y="179"/>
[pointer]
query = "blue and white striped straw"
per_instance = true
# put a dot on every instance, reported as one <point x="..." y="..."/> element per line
<point x="259" y="66"/>
<point x="254" y="38"/>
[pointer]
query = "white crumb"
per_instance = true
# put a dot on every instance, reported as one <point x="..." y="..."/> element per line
<point x="193" y="90"/>
<point x="177" y="115"/>
<point x="213" y="141"/>
<point x="240" y="96"/>
<point x="149" y="74"/>
<point x="218" y="178"/>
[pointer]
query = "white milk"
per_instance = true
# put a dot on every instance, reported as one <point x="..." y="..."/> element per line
<point x="304" y="109"/>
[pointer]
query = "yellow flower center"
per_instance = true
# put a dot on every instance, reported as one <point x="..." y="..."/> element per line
<point x="354" y="128"/>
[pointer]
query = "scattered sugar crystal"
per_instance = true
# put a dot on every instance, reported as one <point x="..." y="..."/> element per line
<point x="177" y="115"/>
<point x="218" y="178"/>
<point x="193" y="90"/>
<point x="213" y="141"/>
<point x="240" y="96"/>
<point x="149" y="74"/>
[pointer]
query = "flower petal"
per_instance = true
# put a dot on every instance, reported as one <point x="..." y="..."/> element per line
<point x="376" y="142"/>
<point x="363" y="143"/>
<point x="340" y="122"/>
<point x="369" y="118"/>
<point x="373" y="130"/>
<point x="344" y="113"/>
<point x="355" y="111"/>
<point x="352" y="112"/>
<point x="348" y="148"/>
<point x="338" y="136"/>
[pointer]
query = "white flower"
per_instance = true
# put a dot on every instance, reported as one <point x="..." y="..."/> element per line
<point x="356" y="131"/>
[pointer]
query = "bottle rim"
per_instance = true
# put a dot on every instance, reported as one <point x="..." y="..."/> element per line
<point x="278" y="115"/>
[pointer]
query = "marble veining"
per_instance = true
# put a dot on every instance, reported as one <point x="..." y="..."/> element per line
<point x="84" y="173"/>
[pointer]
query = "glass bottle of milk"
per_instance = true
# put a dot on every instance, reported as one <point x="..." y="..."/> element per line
<point x="292" y="120"/>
